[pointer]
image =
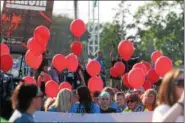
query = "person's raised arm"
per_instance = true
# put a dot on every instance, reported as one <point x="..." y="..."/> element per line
<point x="176" y="110"/>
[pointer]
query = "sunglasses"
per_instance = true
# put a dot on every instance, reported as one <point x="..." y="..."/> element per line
<point x="130" y="101"/>
<point x="180" y="82"/>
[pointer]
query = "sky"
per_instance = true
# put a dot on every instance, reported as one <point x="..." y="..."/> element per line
<point x="106" y="13"/>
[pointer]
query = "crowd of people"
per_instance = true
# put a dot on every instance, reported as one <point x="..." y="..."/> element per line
<point x="167" y="102"/>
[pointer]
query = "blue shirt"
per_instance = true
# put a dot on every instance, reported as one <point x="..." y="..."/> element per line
<point x="100" y="60"/>
<point x="114" y="105"/>
<point x="79" y="108"/>
<point x="18" y="117"/>
<point x="120" y="109"/>
<point x="52" y="109"/>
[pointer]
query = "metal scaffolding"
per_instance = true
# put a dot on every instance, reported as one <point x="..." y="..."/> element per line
<point x="93" y="28"/>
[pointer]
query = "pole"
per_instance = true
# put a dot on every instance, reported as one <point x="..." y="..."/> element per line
<point x="75" y="9"/>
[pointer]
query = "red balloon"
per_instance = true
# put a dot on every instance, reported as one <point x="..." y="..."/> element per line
<point x="77" y="27"/>
<point x="33" y="61"/>
<point x="114" y="72"/>
<point x="6" y="62"/>
<point x="147" y="85"/>
<point x="125" y="81"/>
<point x="59" y="62"/>
<point x="147" y="64"/>
<point x="51" y="89"/>
<point x="95" y="84"/>
<point x="136" y="78"/>
<point x="42" y="35"/>
<point x="46" y="77"/>
<point x="76" y="47"/>
<point x="66" y="85"/>
<point x="93" y="68"/>
<point x="35" y="47"/>
<point x="29" y="80"/>
<point x="141" y="66"/>
<point x="28" y="44"/>
<point x="72" y="62"/>
<point x="152" y="76"/>
<point x="125" y="49"/>
<point x="4" y="49"/>
<point x="120" y="67"/>
<point x="163" y="65"/>
<point x="155" y="55"/>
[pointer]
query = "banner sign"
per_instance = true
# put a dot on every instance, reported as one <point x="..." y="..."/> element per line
<point x="112" y="117"/>
<point x="19" y="18"/>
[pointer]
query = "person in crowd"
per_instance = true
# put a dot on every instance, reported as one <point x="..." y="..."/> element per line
<point x="54" y="74"/>
<point x="115" y="90"/>
<point x="85" y="105"/>
<point x="139" y="91"/>
<point x="149" y="99"/>
<point x="96" y="95"/>
<point x="75" y="97"/>
<point x="76" y="79"/>
<point x="116" y="82"/>
<point x="102" y="73"/>
<point x="120" y="100"/>
<point x="133" y="104"/>
<point x="105" y="103"/>
<point x="170" y="99"/>
<point x="112" y="101"/>
<point x="49" y="101"/>
<point x="63" y="101"/>
<point x="26" y="100"/>
<point x="42" y="68"/>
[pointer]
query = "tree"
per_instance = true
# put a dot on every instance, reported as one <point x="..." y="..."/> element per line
<point x="163" y="29"/>
<point x="61" y="37"/>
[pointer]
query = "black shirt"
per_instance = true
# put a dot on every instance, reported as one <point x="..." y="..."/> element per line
<point x="109" y="110"/>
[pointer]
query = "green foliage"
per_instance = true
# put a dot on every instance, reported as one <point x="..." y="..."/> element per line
<point x="159" y="24"/>
<point x="165" y="33"/>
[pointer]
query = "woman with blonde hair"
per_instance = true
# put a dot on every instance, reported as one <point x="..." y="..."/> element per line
<point x="149" y="99"/>
<point x="170" y="98"/>
<point x="63" y="101"/>
<point x="49" y="101"/>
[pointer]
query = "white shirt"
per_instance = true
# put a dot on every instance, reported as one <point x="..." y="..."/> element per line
<point x="160" y="111"/>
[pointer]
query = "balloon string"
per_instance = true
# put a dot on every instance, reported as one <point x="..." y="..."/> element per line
<point x="127" y="65"/>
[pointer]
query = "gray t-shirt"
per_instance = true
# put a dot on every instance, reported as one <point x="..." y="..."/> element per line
<point x="17" y="117"/>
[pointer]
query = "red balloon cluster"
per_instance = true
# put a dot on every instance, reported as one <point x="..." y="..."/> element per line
<point x="117" y="70"/>
<point x="46" y="77"/>
<point x="29" y="80"/>
<point x="77" y="27"/>
<point x="76" y="47"/>
<point x="126" y="49"/>
<point x="6" y="62"/>
<point x="72" y="62"/>
<point x="51" y="88"/>
<point x="93" y="68"/>
<point x="147" y="85"/>
<point x="141" y="66"/>
<point x="163" y="65"/>
<point x="59" y="62"/>
<point x="36" y="46"/>
<point x="95" y="84"/>
<point x="152" y="76"/>
<point x="66" y="85"/>
<point x="32" y="60"/>
<point x="136" y="78"/>
<point x="155" y="55"/>
<point x="125" y="81"/>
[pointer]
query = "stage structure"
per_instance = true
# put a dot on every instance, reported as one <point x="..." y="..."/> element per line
<point x="19" y="18"/>
<point x="93" y="28"/>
